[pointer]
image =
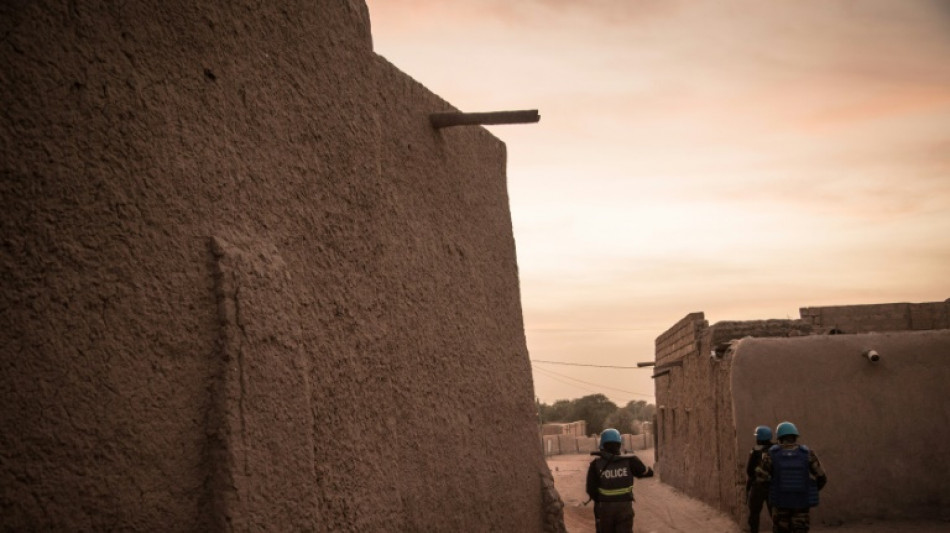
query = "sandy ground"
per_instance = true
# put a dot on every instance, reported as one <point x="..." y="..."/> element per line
<point x="660" y="508"/>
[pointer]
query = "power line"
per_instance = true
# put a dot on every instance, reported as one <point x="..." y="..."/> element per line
<point x="582" y="364"/>
<point x="551" y="374"/>
<point x="630" y="396"/>
<point x="564" y="381"/>
<point x="585" y="330"/>
<point x="592" y="388"/>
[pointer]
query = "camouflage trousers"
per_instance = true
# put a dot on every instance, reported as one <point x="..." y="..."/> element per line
<point x="790" y="520"/>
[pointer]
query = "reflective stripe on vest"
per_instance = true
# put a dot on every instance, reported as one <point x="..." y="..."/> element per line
<point x="616" y="492"/>
<point x="615" y="480"/>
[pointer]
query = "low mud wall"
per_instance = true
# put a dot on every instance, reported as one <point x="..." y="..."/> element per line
<point x="569" y="444"/>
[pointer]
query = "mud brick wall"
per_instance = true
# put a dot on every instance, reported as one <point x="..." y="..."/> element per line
<point x="879" y="317"/>
<point x="855" y="413"/>
<point x="678" y="381"/>
<point x="726" y="331"/>
<point x="681" y="339"/>
<point x="551" y="444"/>
<point x="246" y="286"/>
<point x="707" y="415"/>
<point x="696" y="435"/>
<point x="587" y="444"/>
<point x="567" y="443"/>
<point x="643" y="441"/>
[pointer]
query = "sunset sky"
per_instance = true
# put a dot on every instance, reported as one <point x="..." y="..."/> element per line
<point x="740" y="158"/>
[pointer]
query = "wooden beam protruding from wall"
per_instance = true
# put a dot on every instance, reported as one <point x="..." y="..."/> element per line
<point x="445" y="120"/>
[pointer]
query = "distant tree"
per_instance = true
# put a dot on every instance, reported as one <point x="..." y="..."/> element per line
<point x="599" y="413"/>
<point x="561" y="411"/>
<point x="594" y="409"/>
<point x="641" y="410"/>
<point x="623" y="421"/>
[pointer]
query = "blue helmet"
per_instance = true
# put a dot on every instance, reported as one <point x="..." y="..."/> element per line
<point x="763" y="433"/>
<point x="609" y="435"/>
<point x="785" y="429"/>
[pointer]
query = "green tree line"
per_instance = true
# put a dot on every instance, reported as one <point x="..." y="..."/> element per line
<point x="599" y="413"/>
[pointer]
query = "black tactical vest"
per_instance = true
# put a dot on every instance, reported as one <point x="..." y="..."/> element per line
<point x="615" y="480"/>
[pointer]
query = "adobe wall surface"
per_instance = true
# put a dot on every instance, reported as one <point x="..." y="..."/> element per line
<point x="643" y="441"/>
<point x="236" y="259"/>
<point x="875" y="426"/>
<point x="695" y="436"/>
<point x="569" y="444"/>
<point x="687" y="385"/>
<point x="586" y="444"/>
<point x="726" y="331"/>
<point x="550" y="444"/>
<point x="680" y="340"/>
<point x="673" y="348"/>
<point x="577" y="428"/>
<point x="703" y="452"/>
<point x="879" y="317"/>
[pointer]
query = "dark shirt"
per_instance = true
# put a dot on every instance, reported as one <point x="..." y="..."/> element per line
<point x="755" y="457"/>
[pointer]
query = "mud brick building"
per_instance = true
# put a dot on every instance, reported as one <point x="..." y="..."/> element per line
<point x="247" y="286"/>
<point x="873" y="423"/>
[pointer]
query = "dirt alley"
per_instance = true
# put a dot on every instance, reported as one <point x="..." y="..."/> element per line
<point x="661" y="508"/>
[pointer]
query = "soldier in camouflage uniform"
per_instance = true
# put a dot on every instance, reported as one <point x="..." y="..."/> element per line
<point x="757" y="494"/>
<point x="795" y="476"/>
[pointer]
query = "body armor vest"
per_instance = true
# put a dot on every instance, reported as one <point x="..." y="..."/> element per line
<point x="792" y="486"/>
<point x="615" y="482"/>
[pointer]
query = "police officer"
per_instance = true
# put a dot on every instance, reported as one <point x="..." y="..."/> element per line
<point x="757" y="493"/>
<point x="610" y="484"/>
<point x="795" y="476"/>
